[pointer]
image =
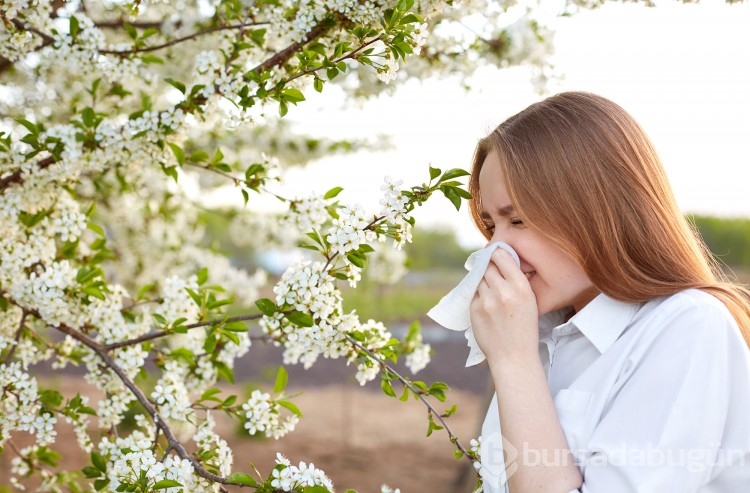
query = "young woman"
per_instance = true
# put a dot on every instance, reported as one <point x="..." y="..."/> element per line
<point x="618" y="350"/>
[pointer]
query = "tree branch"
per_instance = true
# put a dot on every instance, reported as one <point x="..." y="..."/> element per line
<point x="101" y="352"/>
<point x="15" y="177"/>
<point x="287" y="53"/>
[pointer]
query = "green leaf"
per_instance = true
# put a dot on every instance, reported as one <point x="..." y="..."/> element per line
<point x="356" y="260"/>
<point x="405" y="395"/>
<point x="332" y="192"/>
<point x="236" y="326"/>
<point x="411" y="19"/>
<point x="177" y="84"/>
<point x="96" y="229"/>
<point x="293" y="95"/>
<point x="432" y="426"/>
<point x="143" y="290"/>
<point x="453" y="173"/>
<point x="202" y="276"/>
<point x="405" y="5"/>
<point x="74" y="27"/>
<point x="98" y="461"/>
<point x="315" y="489"/>
<point x="88" y="115"/>
<point x="50" y="398"/>
<point x="282" y="377"/>
<point x="365" y="248"/>
<point x="199" y="156"/>
<point x="179" y="154"/>
<point x="290" y="406"/>
<point x="130" y="30"/>
<point x="91" y="472"/>
<point x="266" y="306"/>
<point x="224" y="372"/>
<point x="242" y="478"/>
<point x="386" y="386"/>
<point x="209" y="394"/>
<point x="434" y="173"/>
<point x="95" y="292"/>
<point x="209" y="344"/>
<point x="152" y="59"/>
<point x="300" y="319"/>
<point x="218" y="156"/>
<point x="33" y="130"/>
<point x="450" y="194"/>
<point x="318" y="84"/>
<point x="165" y="483"/>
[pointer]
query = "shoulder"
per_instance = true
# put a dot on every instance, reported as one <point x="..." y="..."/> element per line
<point x="699" y="306"/>
<point x="691" y="320"/>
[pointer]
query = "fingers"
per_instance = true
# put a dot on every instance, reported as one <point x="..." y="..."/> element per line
<point x="505" y="266"/>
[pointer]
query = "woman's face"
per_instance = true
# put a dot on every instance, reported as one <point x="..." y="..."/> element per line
<point x="556" y="279"/>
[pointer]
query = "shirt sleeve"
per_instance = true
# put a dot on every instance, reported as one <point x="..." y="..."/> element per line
<point x="667" y="427"/>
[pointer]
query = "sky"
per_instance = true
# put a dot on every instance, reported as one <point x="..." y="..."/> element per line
<point x="683" y="71"/>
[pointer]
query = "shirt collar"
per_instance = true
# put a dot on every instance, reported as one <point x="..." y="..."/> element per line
<point x="601" y="321"/>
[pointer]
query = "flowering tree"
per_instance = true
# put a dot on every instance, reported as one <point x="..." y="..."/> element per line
<point x="108" y="109"/>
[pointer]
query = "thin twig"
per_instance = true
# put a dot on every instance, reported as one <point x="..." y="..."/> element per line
<point x="417" y="392"/>
<point x="237" y="181"/>
<point x="163" y="333"/>
<point x="195" y="35"/>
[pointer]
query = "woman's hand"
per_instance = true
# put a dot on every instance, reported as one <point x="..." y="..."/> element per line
<point x="504" y="315"/>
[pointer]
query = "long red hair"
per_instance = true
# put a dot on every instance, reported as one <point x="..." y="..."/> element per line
<point x="581" y="171"/>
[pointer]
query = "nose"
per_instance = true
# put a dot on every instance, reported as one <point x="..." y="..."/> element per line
<point x="498" y="235"/>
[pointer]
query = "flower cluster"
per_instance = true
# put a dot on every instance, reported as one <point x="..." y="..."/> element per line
<point x="170" y="394"/>
<point x="373" y="336"/>
<point x="214" y="449"/>
<point x="395" y="208"/>
<point x="419" y="357"/>
<point x="306" y="214"/>
<point x="287" y="477"/>
<point x="350" y="230"/>
<point x="19" y="406"/>
<point x="262" y="413"/>
<point x="308" y="287"/>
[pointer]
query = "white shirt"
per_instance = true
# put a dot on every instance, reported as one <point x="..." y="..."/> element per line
<point x="652" y="397"/>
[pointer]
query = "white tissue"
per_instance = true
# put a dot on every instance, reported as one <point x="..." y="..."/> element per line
<point x="452" y="311"/>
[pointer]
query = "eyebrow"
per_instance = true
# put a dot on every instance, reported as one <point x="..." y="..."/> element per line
<point x="506" y="211"/>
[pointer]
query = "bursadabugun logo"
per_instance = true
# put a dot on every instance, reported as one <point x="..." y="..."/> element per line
<point x="498" y="460"/>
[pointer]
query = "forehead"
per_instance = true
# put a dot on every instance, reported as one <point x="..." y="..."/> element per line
<point x="492" y="189"/>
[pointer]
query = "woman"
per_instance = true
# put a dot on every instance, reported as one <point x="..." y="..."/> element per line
<point x="618" y="350"/>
